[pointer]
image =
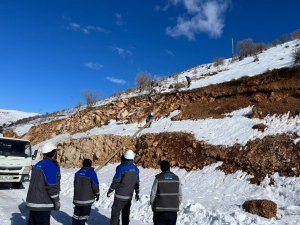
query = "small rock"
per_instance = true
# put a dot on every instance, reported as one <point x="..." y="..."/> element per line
<point x="264" y="208"/>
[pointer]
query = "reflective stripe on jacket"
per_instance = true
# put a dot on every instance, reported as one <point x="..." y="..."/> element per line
<point x="166" y="194"/>
<point x="44" y="186"/>
<point x="86" y="186"/>
<point x="125" y="181"/>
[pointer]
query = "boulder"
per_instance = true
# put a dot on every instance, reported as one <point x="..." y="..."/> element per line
<point x="264" y="208"/>
<point x="261" y="127"/>
<point x="120" y="105"/>
<point x="97" y="119"/>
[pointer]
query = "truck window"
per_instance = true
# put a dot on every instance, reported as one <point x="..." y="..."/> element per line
<point x="15" y="148"/>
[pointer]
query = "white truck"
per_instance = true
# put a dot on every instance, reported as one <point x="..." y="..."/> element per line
<point x="15" y="161"/>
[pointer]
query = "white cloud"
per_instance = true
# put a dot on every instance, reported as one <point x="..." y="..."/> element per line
<point x="116" y="80"/>
<point x="119" y="19"/>
<point x="169" y="52"/>
<point x="74" y="26"/>
<point x="201" y="16"/>
<point x="123" y="52"/>
<point x="86" y="29"/>
<point x="93" y="65"/>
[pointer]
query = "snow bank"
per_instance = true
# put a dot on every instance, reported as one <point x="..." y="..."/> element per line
<point x="209" y="197"/>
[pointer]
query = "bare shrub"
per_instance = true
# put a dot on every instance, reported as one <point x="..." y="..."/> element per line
<point x="295" y="35"/>
<point x="246" y="47"/>
<point x="78" y="107"/>
<point x="129" y="90"/>
<point x="90" y="98"/>
<point x="296" y="56"/>
<point x="219" y="62"/>
<point x="143" y="81"/>
<point x="260" y="47"/>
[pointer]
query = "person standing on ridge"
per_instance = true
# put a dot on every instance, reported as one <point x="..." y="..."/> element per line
<point x="125" y="182"/>
<point x="188" y="79"/>
<point x="44" y="187"/>
<point x="166" y="196"/>
<point x="149" y="117"/>
<point x="86" y="191"/>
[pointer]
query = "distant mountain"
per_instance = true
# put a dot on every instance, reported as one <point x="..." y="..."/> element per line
<point x="10" y="116"/>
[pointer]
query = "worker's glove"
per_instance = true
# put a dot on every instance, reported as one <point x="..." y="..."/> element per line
<point x="56" y="205"/>
<point x="97" y="198"/>
<point x="109" y="193"/>
<point x="137" y="197"/>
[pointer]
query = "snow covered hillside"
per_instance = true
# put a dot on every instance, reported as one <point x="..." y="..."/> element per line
<point x="10" y="116"/>
<point x="203" y="75"/>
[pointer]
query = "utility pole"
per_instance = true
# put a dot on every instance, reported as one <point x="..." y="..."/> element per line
<point x="232" y="48"/>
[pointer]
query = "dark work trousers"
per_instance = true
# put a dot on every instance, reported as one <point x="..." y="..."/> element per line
<point x="165" y="218"/>
<point x="116" y="209"/>
<point x="39" y="218"/>
<point x="81" y="214"/>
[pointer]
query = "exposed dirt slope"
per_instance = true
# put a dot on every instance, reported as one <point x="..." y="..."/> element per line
<point x="275" y="92"/>
<point x="259" y="158"/>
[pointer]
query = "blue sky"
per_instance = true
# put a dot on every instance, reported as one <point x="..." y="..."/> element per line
<point x="51" y="51"/>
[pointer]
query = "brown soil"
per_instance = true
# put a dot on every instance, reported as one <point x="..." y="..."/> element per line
<point x="259" y="157"/>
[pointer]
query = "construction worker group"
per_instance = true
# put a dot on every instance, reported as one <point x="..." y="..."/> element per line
<point x="44" y="188"/>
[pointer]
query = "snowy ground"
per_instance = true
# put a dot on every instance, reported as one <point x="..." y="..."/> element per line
<point x="9" y="116"/>
<point x="210" y="198"/>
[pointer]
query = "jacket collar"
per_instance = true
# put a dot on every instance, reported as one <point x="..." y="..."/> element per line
<point x="127" y="162"/>
<point x="87" y="168"/>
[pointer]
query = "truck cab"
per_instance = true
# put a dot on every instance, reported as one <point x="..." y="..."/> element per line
<point x="15" y="161"/>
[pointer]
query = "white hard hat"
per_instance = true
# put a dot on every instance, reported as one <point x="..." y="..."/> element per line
<point x="48" y="147"/>
<point x="129" y="154"/>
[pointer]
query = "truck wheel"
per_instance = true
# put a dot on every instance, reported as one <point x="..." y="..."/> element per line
<point x="16" y="185"/>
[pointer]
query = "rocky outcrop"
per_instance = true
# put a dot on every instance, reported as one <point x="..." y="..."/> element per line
<point x="264" y="208"/>
<point x="275" y="92"/>
<point x="10" y="133"/>
<point x="259" y="157"/>
<point x="98" y="148"/>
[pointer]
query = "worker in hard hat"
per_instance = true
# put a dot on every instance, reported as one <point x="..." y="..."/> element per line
<point x="125" y="182"/>
<point x="44" y="187"/>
